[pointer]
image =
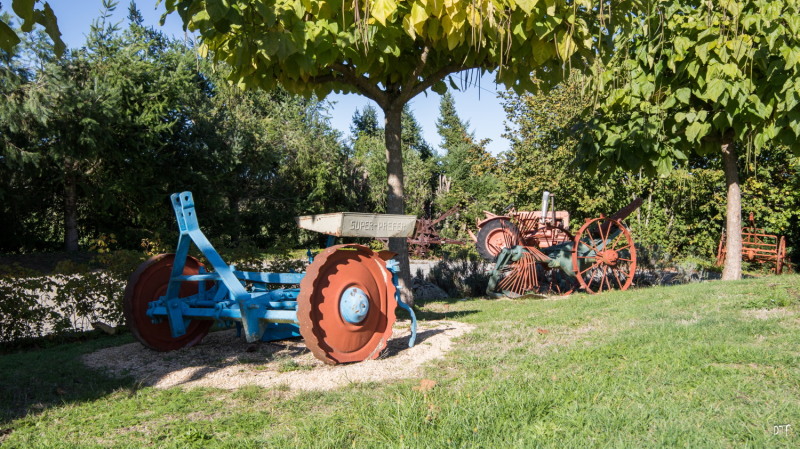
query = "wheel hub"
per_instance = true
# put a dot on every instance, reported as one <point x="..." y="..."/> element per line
<point x="609" y="257"/>
<point x="354" y="305"/>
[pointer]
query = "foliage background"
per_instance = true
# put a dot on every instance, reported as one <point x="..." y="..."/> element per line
<point x="133" y="116"/>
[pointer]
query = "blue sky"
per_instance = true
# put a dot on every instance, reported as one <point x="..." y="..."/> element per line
<point x="477" y="104"/>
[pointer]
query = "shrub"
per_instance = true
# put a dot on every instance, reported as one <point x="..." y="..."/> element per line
<point x="460" y="277"/>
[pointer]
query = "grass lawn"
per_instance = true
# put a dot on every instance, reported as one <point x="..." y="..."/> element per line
<point x="702" y="365"/>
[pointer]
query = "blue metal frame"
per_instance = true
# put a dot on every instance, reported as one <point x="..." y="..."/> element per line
<point x="263" y="313"/>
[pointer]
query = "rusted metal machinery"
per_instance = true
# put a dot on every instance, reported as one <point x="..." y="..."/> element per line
<point x="599" y="257"/>
<point x="425" y="235"/>
<point x="344" y="307"/>
<point x="538" y="229"/>
<point x="758" y="247"/>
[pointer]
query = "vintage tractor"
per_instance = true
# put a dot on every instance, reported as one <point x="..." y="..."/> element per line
<point x="532" y="229"/>
<point x="758" y="247"/>
<point x="601" y="256"/>
<point x="344" y="307"/>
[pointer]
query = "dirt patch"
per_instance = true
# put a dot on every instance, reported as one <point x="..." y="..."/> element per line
<point x="224" y="361"/>
<point x="766" y="314"/>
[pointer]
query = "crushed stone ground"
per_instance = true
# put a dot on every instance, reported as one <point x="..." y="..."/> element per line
<point x="224" y="361"/>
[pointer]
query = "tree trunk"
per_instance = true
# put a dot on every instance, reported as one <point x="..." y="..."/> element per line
<point x="70" y="210"/>
<point x="733" y="226"/>
<point x="395" y="195"/>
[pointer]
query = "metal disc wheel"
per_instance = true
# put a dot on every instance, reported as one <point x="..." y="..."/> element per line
<point x="494" y="236"/>
<point x="346" y="306"/>
<point x="604" y="256"/>
<point x="148" y="283"/>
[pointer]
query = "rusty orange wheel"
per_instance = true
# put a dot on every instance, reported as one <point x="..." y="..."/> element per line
<point x="346" y="306"/>
<point x="148" y="283"/>
<point x="604" y="256"/>
<point x="494" y="236"/>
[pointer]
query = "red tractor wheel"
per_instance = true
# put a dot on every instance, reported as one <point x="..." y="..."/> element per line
<point x="494" y="236"/>
<point x="346" y="306"/>
<point x="604" y="256"/>
<point x="148" y="283"/>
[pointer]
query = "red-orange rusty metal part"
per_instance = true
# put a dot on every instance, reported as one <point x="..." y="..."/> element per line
<point x="494" y="236"/>
<point x="604" y="256"/>
<point x="327" y="334"/>
<point x="148" y="283"/>
<point x="522" y="276"/>
<point x="426" y="235"/>
<point x="758" y="247"/>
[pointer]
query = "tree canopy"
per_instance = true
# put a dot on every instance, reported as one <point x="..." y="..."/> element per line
<point x="403" y="46"/>
<point x="700" y="77"/>
<point x="390" y="51"/>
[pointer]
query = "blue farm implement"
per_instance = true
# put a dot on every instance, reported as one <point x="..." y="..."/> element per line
<point x="344" y="307"/>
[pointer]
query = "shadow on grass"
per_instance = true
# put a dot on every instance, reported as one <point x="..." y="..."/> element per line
<point x="33" y="380"/>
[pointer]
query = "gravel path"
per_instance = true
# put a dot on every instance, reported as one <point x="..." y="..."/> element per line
<point x="224" y="361"/>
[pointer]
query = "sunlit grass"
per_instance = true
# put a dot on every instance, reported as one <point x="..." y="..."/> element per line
<point x="702" y="365"/>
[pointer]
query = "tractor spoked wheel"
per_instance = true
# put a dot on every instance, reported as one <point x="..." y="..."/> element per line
<point x="604" y="256"/>
<point x="346" y="306"/>
<point x="494" y="236"/>
<point x="148" y="283"/>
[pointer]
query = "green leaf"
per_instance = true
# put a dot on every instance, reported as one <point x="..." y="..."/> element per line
<point x="707" y="147"/>
<point x="760" y="141"/>
<point x="48" y="20"/>
<point x="382" y="10"/>
<point x="527" y="5"/>
<point x="681" y="44"/>
<point x="721" y="120"/>
<point x="566" y="47"/>
<point x="8" y="38"/>
<point x="25" y="10"/>
<point x="702" y="52"/>
<point x="794" y="124"/>
<point x="664" y="166"/>
<point x="697" y="131"/>
<point x="683" y="95"/>
<point x="542" y="51"/>
<point x="439" y="87"/>
<point x="714" y="89"/>
<point x="453" y="84"/>
<point x="217" y="9"/>
<point x="693" y="68"/>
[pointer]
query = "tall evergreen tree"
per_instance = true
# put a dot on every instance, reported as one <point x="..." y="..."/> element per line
<point x="469" y="174"/>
